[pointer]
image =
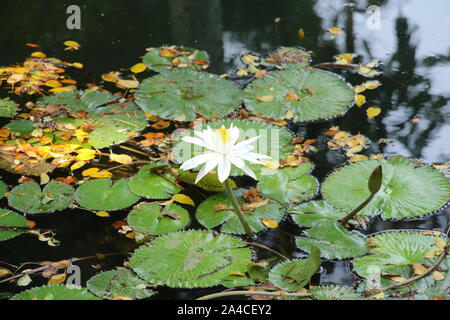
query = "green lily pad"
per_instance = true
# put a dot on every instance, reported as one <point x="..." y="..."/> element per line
<point x="190" y="259"/>
<point x="29" y="198"/>
<point x="409" y="189"/>
<point x="309" y="94"/>
<point x="149" y="218"/>
<point x="275" y="141"/>
<point x="114" y="124"/>
<point x="58" y="292"/>
<point x="21" y="127"/>
<point x="209" y="182"/>
<point x="218" y="210"/>
<point x="152" y="185"/>
<point x="333" y="240"/>
<point x="102" y="194"/>
<point x="75" y="101"/>
<point x="292" y="275"/>
<point x="121" y="283"/>
<point x="170" y="58"/>
<point x="334" y="292"/>
<point x="3" y="189"/>
<point x="12" y="219"/>
<point x="315" y="212"/>
<point x="395" y="252"/>
<point x="180" y="95"/>
<point x="7" y="108"/>
<point x="290" y="184"/>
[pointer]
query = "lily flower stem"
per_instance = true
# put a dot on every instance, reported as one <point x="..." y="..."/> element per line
<point x="238" y="210"/>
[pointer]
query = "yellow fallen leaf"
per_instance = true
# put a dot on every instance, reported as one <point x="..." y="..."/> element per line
<point x="121" y="158"/>
<point x="77" y="65"/>
<point x="335" y="30"/>
<point x="72" y="45"/>
<point x="182" y="198"/>
<point x="344" y="58"/>
<point x="21" y="70"/>
<point x="62" y="89"/>
<point x="86" y="154"/>
<point x="38" y="54"/>
<point x="238" y="274"/>
<point x="373" y="112"/>
<point x="359" y="89"/>
<point x="129" y="84"/>
<point x="57" y="279"/>
<point x="96" y="173"/>
<point x="111" y="76"/>
<point x="398" y="279"/>
<point x="269" y="223"/>
<point x="265" y="98"/>
<point x="440" y="243"/>
<point x="53" y="84"/>
<point x="301" y="33"/>
<point x="379" y="295"/>
<point x="138" y="67"/>
<point x="4" y="271"/>
<point x="77" y="165"/>
<point x="370" y="85"/>
<point x="360" y="100"/>
<point x="103" y="214"/>
<point x="419" y="268"/>
<point x="438" y="276"/>
<point x="357" y="158"/>
<point x="271" y="164"/>
<point x="441" y="166"/>
<point x="292" y="96"/>
<point x="44" y="178"/>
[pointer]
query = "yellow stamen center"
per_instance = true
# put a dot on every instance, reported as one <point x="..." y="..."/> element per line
<point x="224" y="134"/>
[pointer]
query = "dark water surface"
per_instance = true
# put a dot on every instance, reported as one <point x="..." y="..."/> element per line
<point x="413" y="44"/>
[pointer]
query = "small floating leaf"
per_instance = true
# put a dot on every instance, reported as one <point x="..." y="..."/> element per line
<point x="191" y="259"/>
<point x="58" y="292"/>
<point x="29" y="198"/>
<point x="105" y="195"/>
<point x="373" y="112"/>
<point x="122" y="283"/>
<point x="149" y="218"/>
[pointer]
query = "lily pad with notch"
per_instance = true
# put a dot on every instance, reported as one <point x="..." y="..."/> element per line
<point x="314" y="212"/>
<point x="181" y="95"/>
<point x="305" y="94"/>
<point x="190" y="259"/>
<point x="29" y="198"/>
<point x="103" y="194"/>
<point x="150" y="218"/>
<point x="11" y="219"/>
<point x="409" y="188"/>
<point x="173" y="57"/>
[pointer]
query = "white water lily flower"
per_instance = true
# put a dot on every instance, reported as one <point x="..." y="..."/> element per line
<point x="222" y="151"/>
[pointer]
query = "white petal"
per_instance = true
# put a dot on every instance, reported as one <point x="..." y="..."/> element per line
<point x="197" y="160"/>
<point x="201" y="174"/>
<point x="234" y="134"/>
<point x="207" y="137"/>
<point x="224" y="169"/>
<point x="245" y="148"/>
<point x="196" y="141"/>
<point x="249" y="172"/>
<point x="212" y="163"/>
<point x="251" y="156"/>
<point x="246" y="142"/>
<point x="237" y="161"/>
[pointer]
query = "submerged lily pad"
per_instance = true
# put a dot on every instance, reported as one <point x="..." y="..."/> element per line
<point x="29" y="198"/>
<point x="315" y="212"/>
<point x="173" y="57"/>
<point x="299" y="93"/>
<point x="291" y="184"/>
<point x="152" y="185"/>
<point x="218" y="210"/>
<point x="287" y="56"/>
<point x="191" y="259"/>
<point x="409" y="188"/>
<point x="274" y="141"/>
<point x="11" y="219"/>
<point x="292" y="275"/>
<point x="75" y="101"/>
<point x="181" y="95"/>
<point x="7" y="108"/>
<point x="119" y="284"/>
<point x="149" y="218"/>
<point x="103" y="194"/>
<point x="58" y="292"/>
<point x="333" y="240"/>
<point x="395" y="252"/>
<point x="334" y="292"/>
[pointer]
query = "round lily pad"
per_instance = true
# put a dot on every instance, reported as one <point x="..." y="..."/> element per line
<point x="334" y="292"/>
<point x="181" y="95"/>
<point x="29" y="198"/>
<point x="291" y="184"/>
<point x="292" y="275"/>
<point x="333" y="240"/>
<point x="149" y="218"/>
<point x="173" y="57"/>
<point x="103" y="194"/>
<point x="218" y="210"/>
<point x="274" y="141"/>
<point x="315" y="212"/>
<point x="190" y="259"/>
<point x="395" y="252"/>
<point x="11" y="219"/>
<point x="153" y="185"/>
<point x="409" y="188"/>
<point x="119" y="284"/>
<point x="58" y="292"/>
<point x="303" y="94"/>
<point x="75" y="101"/>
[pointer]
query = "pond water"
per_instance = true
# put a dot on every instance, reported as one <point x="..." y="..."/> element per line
<point x="411" y="42"/>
